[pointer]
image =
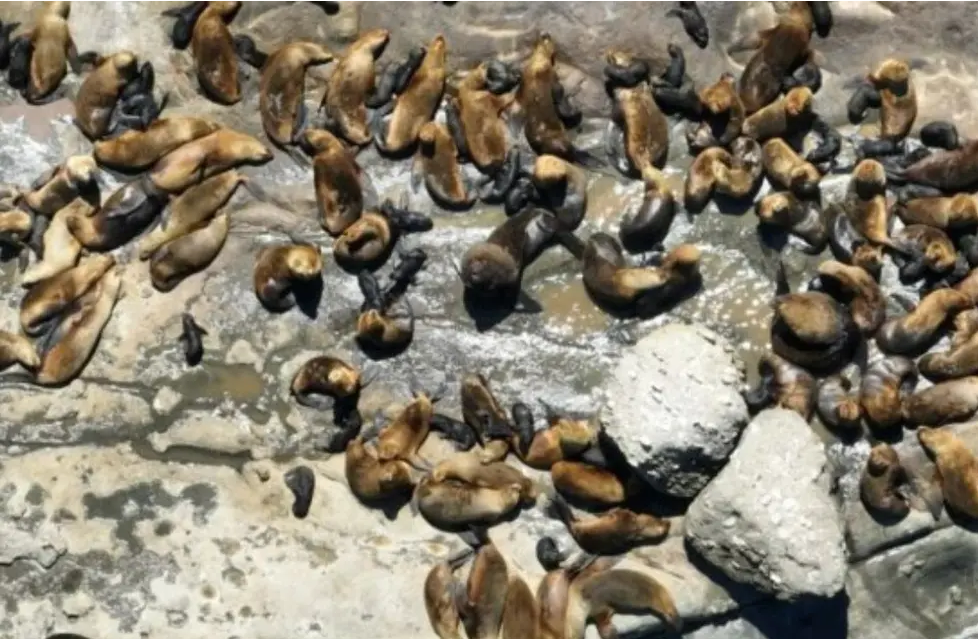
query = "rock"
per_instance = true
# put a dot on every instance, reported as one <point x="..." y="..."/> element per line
<point x="768" y="520"/>
<point x="674" y="407"/>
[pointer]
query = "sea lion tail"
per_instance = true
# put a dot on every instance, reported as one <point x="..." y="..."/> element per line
<point x="570" y="241"/>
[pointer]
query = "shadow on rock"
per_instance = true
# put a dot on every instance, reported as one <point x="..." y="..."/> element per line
<point x="308" y="295"/>
<point x="488" y="312"/>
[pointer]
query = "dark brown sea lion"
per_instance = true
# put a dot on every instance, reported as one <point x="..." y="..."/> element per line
<point x="783" y="384"/>
<point x="788" y="171"/>
<point x="949" y="171"/>
<point x="859" y="290"/>
<point x="322" y="381"/>
<point x="885" y="385"/>
<point x="646" y="228"/>
<point x="879" y="486"/>
<point x="613" y="532"/>
<point x="918" y="329"/>
<point x="837" y="402"/>
<point x="802" y="218"/>
<point x="957" y="469"/>
<point x="126" y="214"/>
<point x="369" y="241"/>
<point x="960" y="360"/>
<point x="338" y="179"/>
<point x="943" y="403"/>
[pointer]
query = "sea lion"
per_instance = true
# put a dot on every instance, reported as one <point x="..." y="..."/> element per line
<point x="53" y="51"/>
<point x="369" y="241"/>
<point x="520" y="612"/>
<point x="16" y="226"/>
<point x="614" y="532"/>
<point x="723" y="115"/>
<point x="302" y="482"/>
<point x="849" y="246"/>
<point x="440" y="587"/>
<point x="470" y="468"/>
<point x="562" y="188"/>
<point x="880" y="483"/>
<point x="183" y="27"/>
<point x="858" y="290"/>
<point x="612" y="283"/>
<point x="694" y="24"/>
<point x="17" y="349"/>
<point x="646" y="228"/>
<point x="931" y="250"/>
<point x="673" y="91"/>
<point x="49" y="299"/>
<point x="830" y="143"/>
<point x="788" y="171"/>
<point x="949" y="171"/>
<point x="436" y="164"/>
<point x="453" y="505"/>
<point x="564" y="438"/>
<point x="98" y="94"/>
<point x="588" y="484"/>
<point x="203" y="157"/>
<point x="351" y="83"/>
<point x="940" y="134"/>
<point x="416" y="105"/>
<point x="61" y="249"/>
<point x="788" y="118"/>
<point x="779" y="50"/>
<point x="494" y="268"/>
<point x="279" y="270"/>
<point x="783" y="384"/>
<point x="948" y="213"/>
<point x="57" y="187"/>
<point x="372" y="479"/>
<point x="214" y="54"/>
<point x="969" y="286"/>
<point x="554" y="590"/>
<point x="126" y="214"/>
<point x="837" y="402"/>
<point x="322" y="381"/>
<point x="456" y="431"/>
<point x="403" y="437"/>
<point x="802" y="218"/>
<point x="918" y="330"/>
<point x="600" y="595"/>
<point x="898" y="101"/>
<point x="19" y="72"/>
<point x="943" y="403"/>
<point x="885" y="385"/>
<point x="188" y="254"/>
<point x="6" y="42"/>
<point x="191" y="210"/>
<point x="384" y="327"/>
<point x="736" y="173"/>
<point x="191" y="335"/>
<point x="70" y="344"/>
<point x="960" y="360"/>
<point x="395" y="78"/>
<point x="134" y="151"/>
<point x="645" y="129"/>
<point x="481" y="123"/>
<point x="281" y="90"/>
<point x="338" y="179"/>
<point x="957" y="469"/>
<point x="481" y="603"/>
<point x="485" y="415"/>
<point x="865" y="203"/>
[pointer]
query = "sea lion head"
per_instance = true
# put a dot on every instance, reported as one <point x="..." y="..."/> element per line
<point x="940" y="255"/>
<point x="315" y="141"/>
<point x="891" y="74"/>
<point x="881" y="458"/>
<point x="685" y="257"/>
<point x="375" y="40"/>
<point x="342" y="379"/>
<point x="227" y="10"/>
<point x="719" y="97"/>
<point x="549" y="170"/>
<point x="243" y="146"/>
<point x="488" y="268"/>
<point x="427" y="137"/>
<point x="125" y="63"/>
<point x="869" y="179"/>
<point x="545" y="47"/>
<point x="437" y="49"/>
<point x="80" y="169"/>
<point x="304" y="262"/>
<point x="869" y="258"/>
<point x="798" y="101"/>
<point x="804" y="180"/>
<point x="62" y="9"/>
<point x="774" y="208"/>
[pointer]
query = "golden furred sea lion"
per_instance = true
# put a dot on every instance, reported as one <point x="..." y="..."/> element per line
<point x="885" y="385"/>
<point x="57" y="187"/>
<point x="136" y="150"/>
<point x="351" y="83"/>
<point x="957" y="469"/>
<point x="338" y="179"/>
<point x="282" y="90"/>
<point x="279" y="270"/>
<point x="943" y="403"/>
<point x="61" y="248"/>
<point x="49" y="299"/>
<point x="188" y="254"/>
<point x="371" y="479"/>
<point x="199" y="159"/>
<point x="214" y="54"/>
<point x="17" y="349"/>
<point x="417" y="105"/>
<point x="54" y="50"/>
<point x="918" y="329"/>
<point x="480" y="116"/>
<point x="99" y="92"/>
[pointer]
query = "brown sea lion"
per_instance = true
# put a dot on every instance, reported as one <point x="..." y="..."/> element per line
<point x="280" y="269"/>
<point x="562" y="188"/>
<point x="126" y="214"/>
<point x="520" y="612"/>
<point x="338" y="179"/>
<point x="97" y="96"/>
<point x="369" y="241"/>
<point x="440" y="587"/>
<point x="403" y="437"/>
<point x="482" y="602"/>
<point x="918" y="329"/>
<point x="783" y="384"/>
<point x="735" y="173"/>
<point x="486" y="416"/>
<point x="214" y="54"/>
<point x="351" y="83"/>
<point x="837" y="402"/>
<point x="372" y="479"/>
<point x="969" y="286"/>
<point x="898" y="108"/>
<point x="565" y="437"/>
<point x="69" y="345"/>
<point x="206" y="156"/>
<point x="554" y="590"/>
<point x="802" y="218"/>
<point x="960" y="360"/>
<point x="188" y="254"/>
<point x="950" y="171"/>
<point x="646" y="228"/>
<point x="16" y="225"/>
<point x="57" y="187"/>
<point x="327" y="378"/>
<point x="388" y="329"/>
<point x="957" y="469"/>
<point x="613" y="532"/>
<point x="54" y="50"/>
<point x="61" y="248"/>
<point x="880" y="483"/>
<point x="282" y="90"/>
<point x="789" y="171"/>
<point x="191" y="210"/>
<point x="930" y="249"/>
<point x="865" y="203"/>
<point x="588" y="484"/>
<point x="645" y="129"/>
<point x="943" y="403"/>
<point x="480" y="115"/>
<point x="49" y="299"/>
<point x="417" y="104"/>
<point x="859" y="290"/>
<point x="789" y="117"/>
<point x="452" y="505"/>
<point x="600" y="595"/>
<point x="948" y="213"/>
<point x="885" y="385"/>
<point x="436" y="164"/>
<point x="17" y="349"/>
<point x="723" y="115"/>
<point x="470" y="468"/>
<point x="136" y="150"/>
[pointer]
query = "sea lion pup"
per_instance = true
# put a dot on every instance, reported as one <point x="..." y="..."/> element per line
<point x="837" y="402"/>
<point x="931" y="250"/>
<point x="940" y="134"/>
<point x="372" y="479"/>
<point x="17" y="349"/>
<point x="722" y="116"/>
<point x="957" y="469"/>
<point x="70" y="344"/>
<point x="416" y="105"/>
<point x="783" y="384"/>
<point x="301" y="481"/>
<point x="279" y="270"/>
<point x="788" y="171"/>
<point x="885" y="385"/>
<point x="60" y="248"/>
<point x="694" y="24"/>
<point x="440" y="587"/>
<point x="789" y="117"/>
<point x="617" y="286"/>
<point x="802" y="218"/>
<point x="858" y="290"/>
<point x="351" y="83"/>
<point x="481" y="603"/>
<point x="191" y="338"/>
<point x="98" y="94"/>
<point x="881" y="481"/>
<point x="919" y="329"/>
<point x="598" y="596"/>
<point x="49" y="299"/>
<point x="338" y="179"/>
<point x="562" y="188"/>
<point x="453" y="505"/>
<point x="481" y="122"/>
<point x="18" y="74"/>
<point x="849" y="246"/>
<point x="281" y="90"/>
<point x="57" y="187"/>
<point x="645" y="228"/>
<point x="436" y="164"/>
<point x="186" y="18"/>
<point x="830" y="144"/>
<point x="369" y="241"/>
<point x="197" y="160"/>
<point x="779" y="50"/>
<point x="469" y="468"/>
<point x="613" y="532"/>
<point x="188" y="254"/>
<point x="645" y="141"/>
<point x="53" y="51"/>
<point x="735" y="173"/>
<point x="133" y="151"/>
<point x="564" y="438"/>
<point x="948" y="213"/>
<point x="126" y="214"/>
<point x="191" y="210"/>
<point x="812" y="329"/>
<point x="6" y="42"/>
<point x="215" y="58"/>
<point x="898" y="106"/>
<point x="865" y="203"/>
<point x="494" y="269"/>
<point x="395" y="78"/>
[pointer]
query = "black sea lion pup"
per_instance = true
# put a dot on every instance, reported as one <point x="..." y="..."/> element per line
<point x="6" y="42"/>
<point x="881" y="483"/>
<point x="857" y="288"/>
<point x="462" y="436"/>
<point x="351" y="84"/>
<point x="190" y="339"/>
<point x="674" y="91"/>
<point x="383" y="324"/>
<point x="626" y="73"/>
<point x="501" y="77"/>
<point x="98" y="94"/>
<point x="885" y="385"/>
<point x="186" y="18"/>
<point x="782" y="384"/>
<point x="302" y="482"/>
<point x="830" y="143"/>
<point x="247" y="49"/>
<point x="800" y="217"/>
<point x="957" y="469"/>
<point x="368" y="242"/>
<point x="127" y="213"/>
<point x="395" y="78"/>
<point x="919" y="329"/>
<point x="215" y="57"/>
<point x="849" y="246"/>
<point x="940" y="134"/>
<point x="281" y="99"/>
<point x="483" y="412"/>
<point x="613" y="532"/>
<point x="693" y="22"/>
<point x="837" y="402"/>
<point x="19" y="72"/>
<point x="280" y="269"/>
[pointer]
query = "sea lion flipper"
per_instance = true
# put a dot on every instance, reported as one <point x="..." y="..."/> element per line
<point x="454" y="124"/>
<point x="23" y="261"/>
<point x="417" y="174"/>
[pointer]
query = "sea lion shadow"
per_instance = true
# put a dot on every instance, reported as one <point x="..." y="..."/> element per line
<point x="380" y="353"/>
<point x="960" y="519"/>
<point x="308" y="296"/>
<point x="389" y="506"/>
<point x="772" y="237"/>
<point x="736" y="206"/>
<point x="817" y="616"/>
<point x="884" y="518"/>
<point x="489" y="312"/>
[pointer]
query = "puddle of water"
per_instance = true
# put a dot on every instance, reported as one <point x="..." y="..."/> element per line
<point x="239" y="382"/>
<point x="568" y="304"/>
